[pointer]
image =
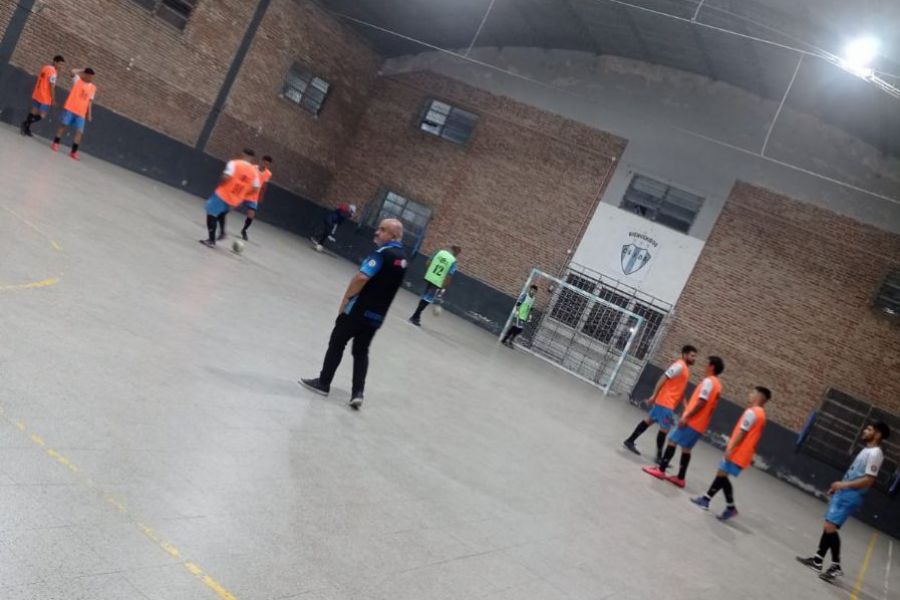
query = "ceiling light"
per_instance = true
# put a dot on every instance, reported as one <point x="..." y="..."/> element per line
<point x="858" y="56"/>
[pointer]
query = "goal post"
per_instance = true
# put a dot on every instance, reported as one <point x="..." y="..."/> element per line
<point x="587" y="335"/>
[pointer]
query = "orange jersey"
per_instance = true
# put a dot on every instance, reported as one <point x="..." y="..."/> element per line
<point x="709" y="390"/>
<point x="43" y="88"/>
<point x="753" y="421"/>
<point x="672" y="391"/>
<point x="80" y="97"/>
<point x="242" y="179"/>
<point x="264" y="176"/>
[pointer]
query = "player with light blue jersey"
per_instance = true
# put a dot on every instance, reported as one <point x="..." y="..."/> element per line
<point x="847" y="496"/>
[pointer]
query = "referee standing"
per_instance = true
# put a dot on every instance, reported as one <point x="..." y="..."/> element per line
<point x="363" y="309"/>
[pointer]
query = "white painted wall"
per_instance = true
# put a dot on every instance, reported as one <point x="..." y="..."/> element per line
<point x="672" y="255"/>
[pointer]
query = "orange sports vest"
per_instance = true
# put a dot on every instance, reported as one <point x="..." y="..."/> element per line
<point x="700" y="421"/>
<point x="672" y="391"/>
<point x="742" y="455"/>
<point x="239" y="185"/>
<point x="43" y="88"/>
<point x="264" y="177"/>
<point x="80" y="97"/>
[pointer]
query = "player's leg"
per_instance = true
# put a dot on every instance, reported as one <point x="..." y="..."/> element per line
<point x="79" y="133"/>
<point x="362" y="340"/>
<point x="221" y="220"/>
<point x="638" y="431"/>
<point x="60" y="132"/>
<point x="834" y="544"/>
<point x="683" y="463"/>
<point x="35" y="114"/>
<point x="426" y="299"/>
<point x="214" y="207"/>
<point x="251" y="214"/>
<point x="717" y="484"/>
<point x="341" y="334"/>
<point x="826" y="541"/>
<point x="730" y="508"/>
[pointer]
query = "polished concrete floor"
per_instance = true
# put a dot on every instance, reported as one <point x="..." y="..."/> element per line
<point x="154" y="444"/>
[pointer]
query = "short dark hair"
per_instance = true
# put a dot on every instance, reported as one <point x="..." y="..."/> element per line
<point x="882" y="428"/>
<point x="533" y="287"/>
<point x="89" y="71"/>
<point x="766" y="392"/>
<point x="267" y="158"/>
<point x="58" y="58"/>
<point x="249" y="152"/>
<point x="717" y="364"/>
<point x="687" y="348"/>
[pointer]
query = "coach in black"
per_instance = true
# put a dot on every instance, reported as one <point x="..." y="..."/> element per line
<point x="363" y="310"/>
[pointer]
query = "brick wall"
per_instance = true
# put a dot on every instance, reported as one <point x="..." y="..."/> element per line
<point x="781" y="292"/>
<point x="7" y="7"/>
<point x="147" y="70"/>
<point x="514" y="198"/>
<point x="307" y="148"/>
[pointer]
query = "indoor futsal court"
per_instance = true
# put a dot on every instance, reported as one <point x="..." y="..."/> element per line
<point x="493" y="299"/>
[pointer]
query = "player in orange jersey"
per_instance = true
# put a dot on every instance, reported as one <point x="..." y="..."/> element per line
<point x="667" y="395"/>
<point x="739" y="452"/>
<point x="238" y="181"/>
<point x="256" y="196"/>
<point x="43" y="94"/>
<point x="77" y="108"/>
<point x="693" y="423"/>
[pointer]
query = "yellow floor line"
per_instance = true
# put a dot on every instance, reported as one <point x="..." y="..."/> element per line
<point x="32" y="285"/>
<point x="148" y="532"/>
<point x="865" y="567"/>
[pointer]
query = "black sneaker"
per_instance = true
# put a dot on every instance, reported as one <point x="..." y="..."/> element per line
<point x="813" y="562"/>
<point x="833" y="572"/>
<point x="244" y="235"/>
<point x="23" y="128"/>
<point x="314" y="385"/>
<point x="630" y="445"/>
<point x="356" y="401"/>
<point x="415" y="322"/>
<point x="208" y="243"/>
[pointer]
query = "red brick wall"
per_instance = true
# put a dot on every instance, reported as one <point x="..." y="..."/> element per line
<point x="781" y="292"/>
<point x="514" y="198"/>
<point x="307" y="148"/>
<point x="147" y="70"/>
<point x="7" y="7"/>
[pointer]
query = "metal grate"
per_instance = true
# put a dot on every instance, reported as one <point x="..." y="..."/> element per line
<point x="661" y="203"/>
<point x="304" y="89"/>
<point x="448" y="122"/>
<point x="833" y="436"/>
<point x="174" y="12"/>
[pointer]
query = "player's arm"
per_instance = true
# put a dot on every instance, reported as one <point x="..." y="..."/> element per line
<point x="862" y="483"/>
<point x="227" y="173"/>
<point x="662" y="379"/>
<point x="358" y="282"/>
<point x="90" y="112"/>
<point x="701" y="402"/>
<point x="748" y="420"/>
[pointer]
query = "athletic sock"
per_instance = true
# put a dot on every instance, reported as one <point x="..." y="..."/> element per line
<point x="247" y="224"/>
<point x="667" y="458"/>
<point x="211" y="223"/>
<point x="836" y="548"/>
<point x="641" y="428"/>
<point x="685" y="461"/>
<point x="824" y="547"/>
<point x="729" y="492"/>
<point x="74" y="147"/>
<point x="660" y="441"/>
<point x="717" y="484"/>
<point x="423" y="304"/>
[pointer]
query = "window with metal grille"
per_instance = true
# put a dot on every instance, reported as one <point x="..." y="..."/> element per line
<point x="603" y="320"/>
<point x="448" y="122"/>
<point x="305" y="89"/>
<point x="887" y="298"/>
<point x="414" y="216"/>
<point x="652" y="323"/>
<point x="833" y="435"/>
<point x="662" y="203"/>
<point x="569" y="306"/>
<point x="174" y="12"/>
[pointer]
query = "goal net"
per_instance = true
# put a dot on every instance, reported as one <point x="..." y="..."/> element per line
<point x="583" y="333"/>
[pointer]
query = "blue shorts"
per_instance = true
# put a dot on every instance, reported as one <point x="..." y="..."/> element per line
<point x="843" y="504"/>
<point x="730" y="468"/>
<point x="41" y="108"/>
<point x="665" y="417"/>
<point x="430" y="293"/>
<point x="70" y="119"/>
<point x="250" y="205"/>
<point x="685" y="437"/>
<point x="215" y="206"/>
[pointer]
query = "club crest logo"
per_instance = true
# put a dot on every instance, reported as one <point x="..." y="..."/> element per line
<point x="636" y="254"/>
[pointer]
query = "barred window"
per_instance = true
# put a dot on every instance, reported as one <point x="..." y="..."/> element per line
<point x="603" y="320"/>
<point x="448" y="122"/>
<point x="833" y="435"/>
<point x="570" y="305"/>
<point x="305" y="89"/>
<point x="887" y="298"/>
<point x="414" y="216"/>
<point x="174" y="12"/>
<point x="661" y="203"/>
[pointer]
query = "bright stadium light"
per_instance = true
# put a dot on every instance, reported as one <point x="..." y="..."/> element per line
<point x="858" y="56"/>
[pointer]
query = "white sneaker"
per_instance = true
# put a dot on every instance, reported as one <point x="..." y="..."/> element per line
<point x="356" y="402"/>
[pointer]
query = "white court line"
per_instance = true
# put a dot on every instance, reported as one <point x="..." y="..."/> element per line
<point x="887" y="569"/>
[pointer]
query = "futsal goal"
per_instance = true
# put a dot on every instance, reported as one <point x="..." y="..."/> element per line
<point x="590" y="336"/>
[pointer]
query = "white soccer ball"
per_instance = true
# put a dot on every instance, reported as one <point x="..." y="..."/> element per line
<point x="319" y="247"/>
<point x="438" y="309"/>
<point x="237" y="246"/>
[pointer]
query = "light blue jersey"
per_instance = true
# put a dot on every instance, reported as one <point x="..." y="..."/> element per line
<point x="867" y="462"/>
